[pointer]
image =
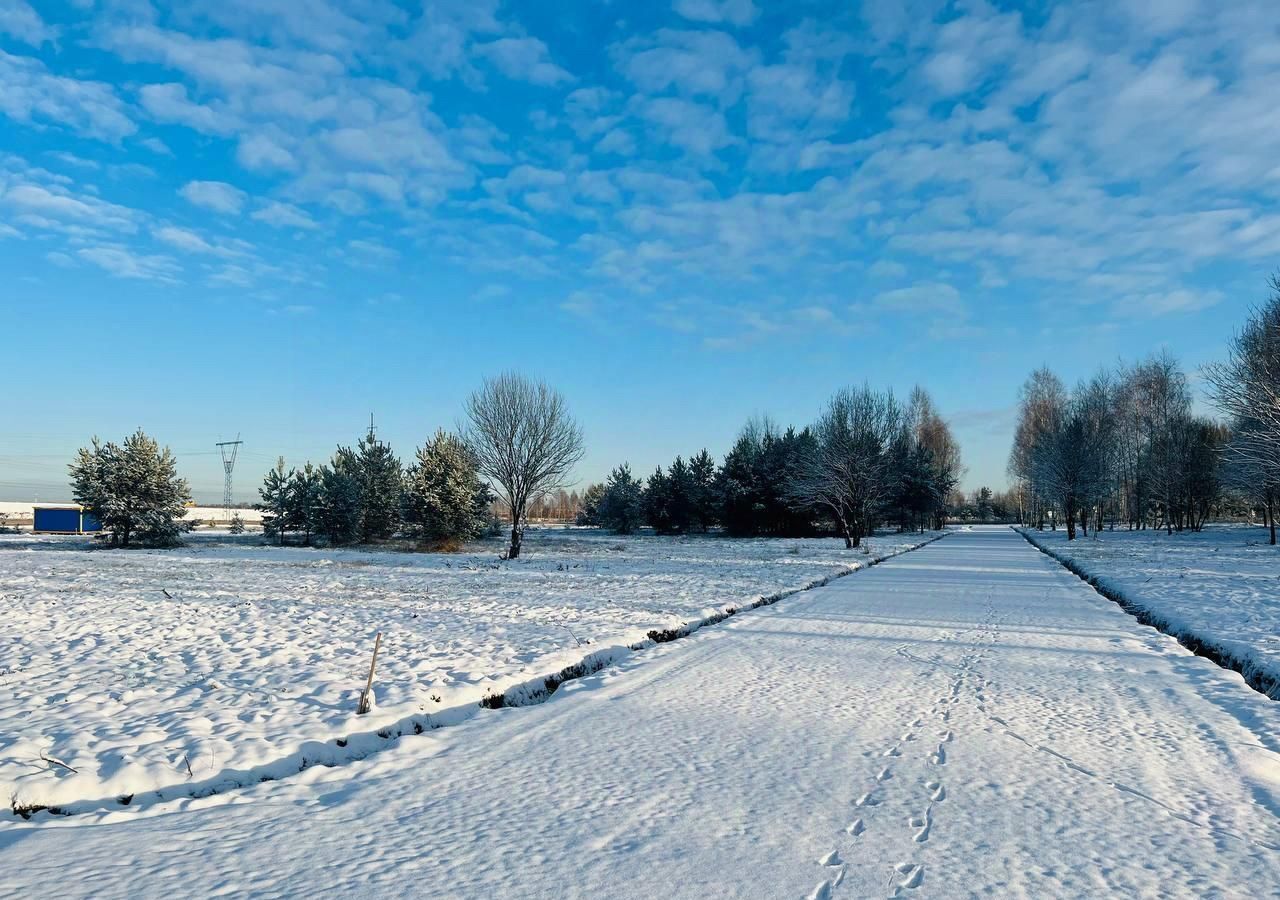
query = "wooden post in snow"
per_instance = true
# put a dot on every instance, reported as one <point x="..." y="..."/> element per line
<point x="368" y="685"/>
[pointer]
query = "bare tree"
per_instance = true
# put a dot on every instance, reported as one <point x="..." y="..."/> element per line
<point x="1246" y="386"/>
<point x="849" y="470"/>
<point x="525" y="441"/>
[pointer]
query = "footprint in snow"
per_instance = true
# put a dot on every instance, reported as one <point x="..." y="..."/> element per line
<point x="884" y="775"/>
<point x="821" y="892"/>
<point x="939" y="756"/>
<point x="937" y="791"/>
<point x="831" y="859"/>
<point x="947" y="736"/>
<point x="913" y="875"/>
<point x="866" y="800"/>
<point x="892" y="751"/>
<point x="856" y="827"/>
<point x="924" y="824"/>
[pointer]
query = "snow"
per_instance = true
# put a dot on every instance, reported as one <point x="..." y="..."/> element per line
<point x="1219" y="588"/>
<point x="965" y="719"/>
<point x="198" y="669"/>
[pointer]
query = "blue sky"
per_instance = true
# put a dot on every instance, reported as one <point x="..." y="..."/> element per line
<point x="273" y="217"/>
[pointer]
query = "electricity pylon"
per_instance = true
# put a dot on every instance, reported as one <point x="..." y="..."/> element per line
<point x="228" y="449"/>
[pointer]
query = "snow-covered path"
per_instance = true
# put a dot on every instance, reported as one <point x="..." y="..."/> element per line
<point x="968" y="718"/>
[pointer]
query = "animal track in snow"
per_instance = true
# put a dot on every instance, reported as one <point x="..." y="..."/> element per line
<point x="856" y="827"/>
<point x="939" y="756"/>
<point x="892" y="751"/>
<point x="866" y="800"/>
<point x="937" y="792"/>
<point x="831" y="859"/>
<point x="884" y="775"/>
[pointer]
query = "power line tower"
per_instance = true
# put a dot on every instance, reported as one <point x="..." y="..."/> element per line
<point x="228" y="449"/>
<point x="372" y="430"/>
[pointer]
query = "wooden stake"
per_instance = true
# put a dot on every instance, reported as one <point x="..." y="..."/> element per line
<point x="368" y="685"/>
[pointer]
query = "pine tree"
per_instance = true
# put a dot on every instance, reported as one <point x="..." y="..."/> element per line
<point x="237" y="524"/>
<point x="277" y="501"/>
<point x="589" y="506"/>
<point x="444" y="497"/>
<point x="736" y="487"/>
<point x="621" y="507"/>
<point x="680" y="496"/>
<point x="306" y="501"/>
<point x="702" y="476"/>
<point x="339" y="508"/>
<point x="657" y="502"/>
<point x="133" y="489"/>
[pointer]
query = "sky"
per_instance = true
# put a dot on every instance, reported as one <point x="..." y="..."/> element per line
<point x="271" y="218"/>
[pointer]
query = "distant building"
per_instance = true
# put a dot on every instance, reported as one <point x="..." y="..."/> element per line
<point x="63" y="519"/>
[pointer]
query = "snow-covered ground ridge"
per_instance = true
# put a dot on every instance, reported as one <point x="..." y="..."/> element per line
<point x="132" y="676"/>
<point x="1216" y="591"/>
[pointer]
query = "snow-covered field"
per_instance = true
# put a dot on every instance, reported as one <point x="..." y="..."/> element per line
<point x="966" y="720"/>
<point x="216" y="664"/>
<point x="1219" y="587"/>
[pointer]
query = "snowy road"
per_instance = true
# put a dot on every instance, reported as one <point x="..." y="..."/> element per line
<point x="968" y="718"/>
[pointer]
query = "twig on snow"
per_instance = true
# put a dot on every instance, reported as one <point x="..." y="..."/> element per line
<point x="53" y="760"/>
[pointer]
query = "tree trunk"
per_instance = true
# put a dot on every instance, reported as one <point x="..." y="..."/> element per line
<point x="1271" y="517"/>
<point x="514" y="552"/>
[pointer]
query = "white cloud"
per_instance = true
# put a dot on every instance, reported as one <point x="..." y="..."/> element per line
<point x="692" y="63"/>
<point x="736" y="12"/>
<point x="169" y="103"/>
<point x="524" y="59"/>
<point x="698" y="129"/>
<point x="284" y="215"/>
<point x="372" y="249"/>
<point x="190" y="242"/>
<point x="53" y="207"/>
<point x="257" y="152"/>
<point x="29" y="93"/>
<point x="20" y="21"/>
<point x="215" y="195"/>
<point x="124" y="263"/>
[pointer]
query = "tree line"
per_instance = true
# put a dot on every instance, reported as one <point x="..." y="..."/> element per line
<point x="517" y="445"/>
<point x="1125" y="446"/>
<point x="868" y="460"/>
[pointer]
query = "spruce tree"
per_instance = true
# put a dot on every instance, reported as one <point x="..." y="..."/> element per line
<point x="444" y="497"/>
<point x="381" y="488"/>
<point x="621" y="507"/>
<point x="277" y="501"/>
<point x="133" y="489"/>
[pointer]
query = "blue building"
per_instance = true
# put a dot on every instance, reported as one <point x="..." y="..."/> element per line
<point x="63" y="519"/>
